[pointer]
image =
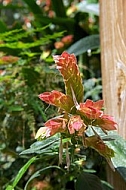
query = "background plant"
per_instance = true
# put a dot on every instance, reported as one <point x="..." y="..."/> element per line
<point x="73" y="136"/>
<point x="30" y="31"/>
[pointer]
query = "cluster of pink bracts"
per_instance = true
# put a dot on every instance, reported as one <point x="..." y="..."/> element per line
<point x="77" y="116"/>
<point x="67" y="123"/>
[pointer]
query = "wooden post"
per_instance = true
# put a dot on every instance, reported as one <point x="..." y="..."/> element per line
<point x="113" y="58"/>
<point x="115" y="179"/>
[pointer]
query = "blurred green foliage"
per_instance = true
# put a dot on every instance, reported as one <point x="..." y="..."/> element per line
<point x="30" y="33"/>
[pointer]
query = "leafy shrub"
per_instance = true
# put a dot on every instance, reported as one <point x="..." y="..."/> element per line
<point x="67" y="132"/>
<point x="28" y="41"/>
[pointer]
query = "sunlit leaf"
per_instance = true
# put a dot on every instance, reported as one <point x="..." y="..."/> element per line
<point x="9" y="187"/>
<point x="15" y="108"/>
<point x="13" y="39"/>
<point x="106" y="185"/>
<point x="18" y="34"/>
<point x="119" y="147"/>
<point x="21" y="173"/>
<point x="45" y="145"/>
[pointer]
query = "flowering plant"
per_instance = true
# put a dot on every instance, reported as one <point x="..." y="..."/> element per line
<point x="75" y="115"/>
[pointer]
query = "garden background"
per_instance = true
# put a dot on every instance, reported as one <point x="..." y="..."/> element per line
<point x="31" y="32"/>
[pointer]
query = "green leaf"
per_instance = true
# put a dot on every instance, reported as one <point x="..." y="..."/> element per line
<point x="15" y="108"/>
<point x="59" y="8"/>
<point x="30" y="75"/>
<point x="11" y="6"/>
<point x="33" y="7"/>
<point x="119" y="147"/>
<point x="106" y="186"/>
<point x="10" y="35"/>
<point x="22" y="45"/>
<point x="17" y="34"/>
<point x="21" y="173"/>
<point x="43" y="146"/>
<point x="87" y="181"/>
<point x="9" y="187"/>
<point x="3" y="27"/>
<point x="62" y="21"/>
<point x="84" y="44"/>
<point x="13" y="38"/>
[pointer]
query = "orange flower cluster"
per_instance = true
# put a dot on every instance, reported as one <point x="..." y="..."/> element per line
<point x="76" y="116"/>
<point x="65" y="41"/>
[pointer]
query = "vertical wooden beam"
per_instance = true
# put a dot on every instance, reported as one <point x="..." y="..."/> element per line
<point x="113" y="58"/>
<point x="115" y="179"/>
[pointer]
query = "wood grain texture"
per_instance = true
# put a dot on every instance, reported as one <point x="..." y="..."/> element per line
<point x="115" y="179"/>
<point x="113" y="58"/>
